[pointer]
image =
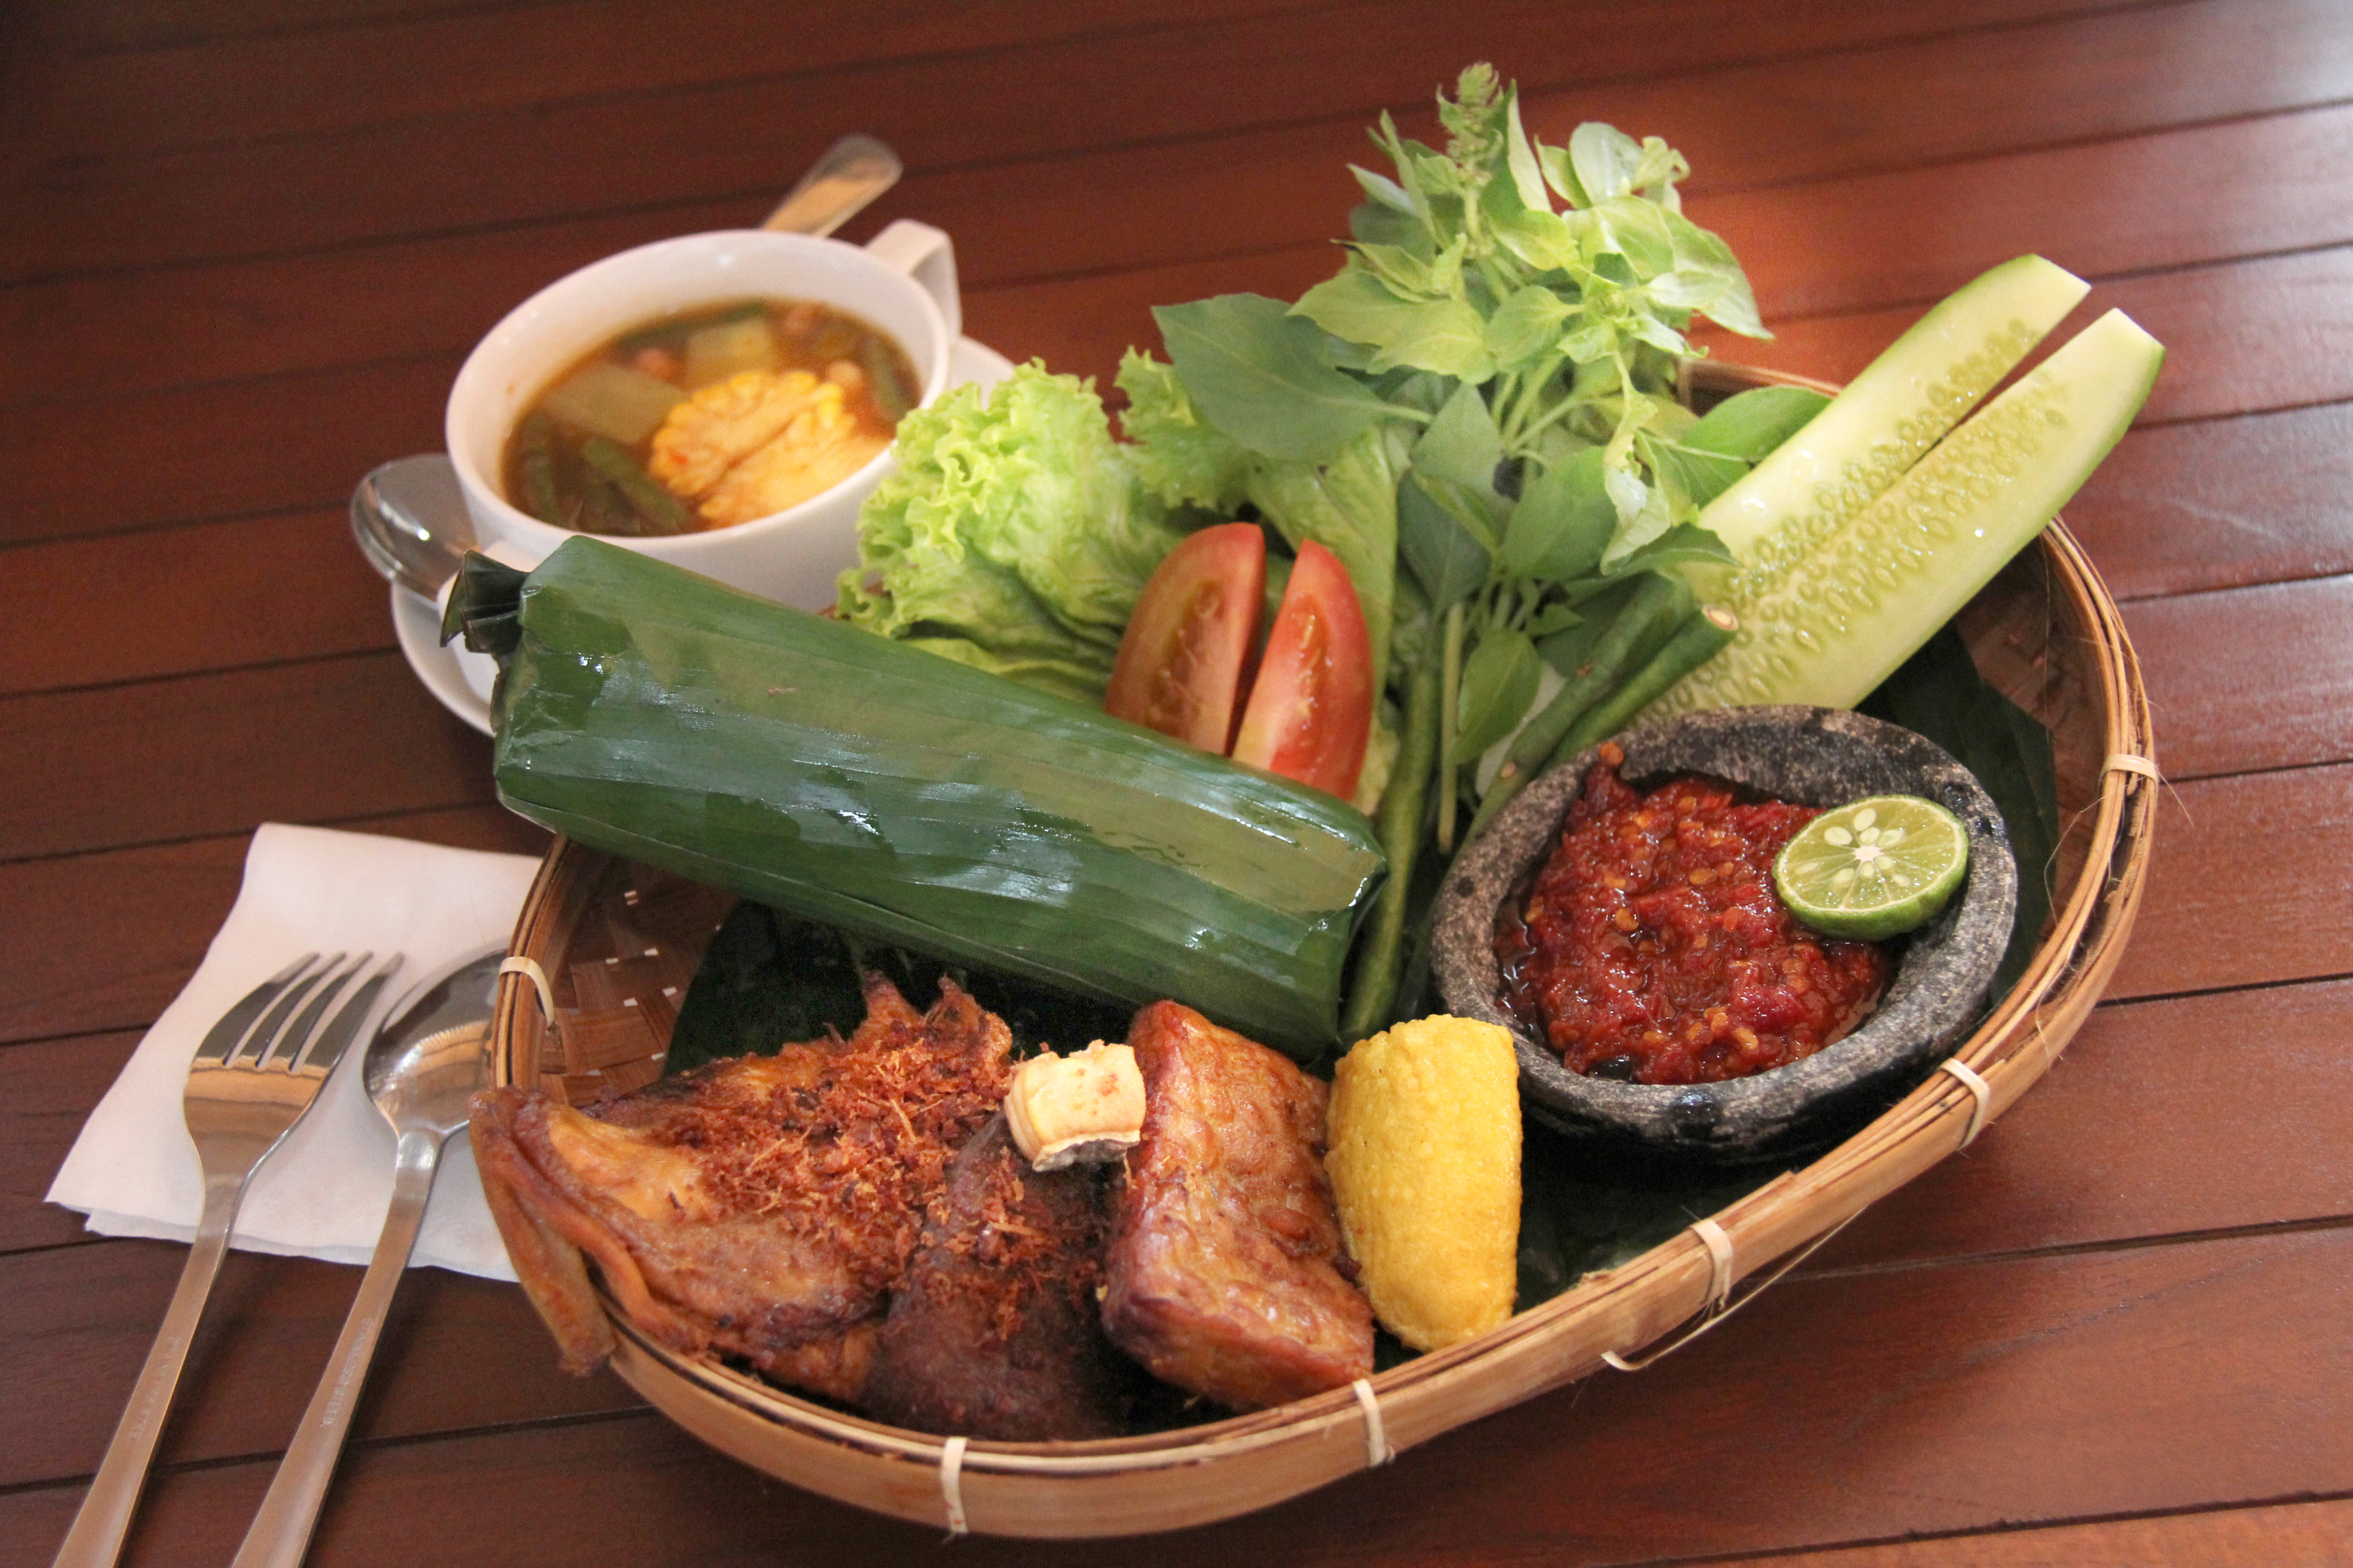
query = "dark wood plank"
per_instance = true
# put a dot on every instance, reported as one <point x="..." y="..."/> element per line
<point x="2217" y="912"/>
<point x="1249" y="192"/>
<point x="2248" y="678"/>
<point x="2161" y="1118"/>
<point x="112" y="465"/>
<point x="105" y="26"/>
<point x="329" y="741"/>
<point x="46" y="1091"/>
<point x="103" y="942"/>
<point x="2151" y="1380"/>
<point x="301" y="77"/>
<point x="236" y="320"/>
<point x="607" y="152"/>
<point x="2286" y="1532"/>
<point x="2115" y="1330"/>
<point x="2100" y="210"/>
<point x="1817" y="239"/>
<point x="2222" y="503"/>
<point x="257" y="591"/>
<point x="456" y="1352"/>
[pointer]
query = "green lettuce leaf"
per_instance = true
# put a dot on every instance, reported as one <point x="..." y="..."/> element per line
<point x="1181" y="458"/>
<point x="1014" y="534"/>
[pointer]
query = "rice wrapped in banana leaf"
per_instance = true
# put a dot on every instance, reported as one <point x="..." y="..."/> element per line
<point x="848" y="778"/>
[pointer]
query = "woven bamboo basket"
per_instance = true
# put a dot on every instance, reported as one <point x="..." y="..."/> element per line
<point x="618" y="943"/>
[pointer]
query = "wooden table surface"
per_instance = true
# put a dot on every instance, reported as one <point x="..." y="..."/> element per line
<point x="246" y="242"/>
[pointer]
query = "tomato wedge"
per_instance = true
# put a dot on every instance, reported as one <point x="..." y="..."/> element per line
<point x="1180" y="662"/>
<point x="1311" y="710"/>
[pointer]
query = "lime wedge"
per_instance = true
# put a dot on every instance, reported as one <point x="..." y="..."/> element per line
<point x="1873" y="869"/>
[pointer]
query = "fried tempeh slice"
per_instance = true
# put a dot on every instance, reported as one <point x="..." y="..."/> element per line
<point x="1221" y="1273"/>
<point x="997" y="1333"/>
<point x="763" y="1207"/>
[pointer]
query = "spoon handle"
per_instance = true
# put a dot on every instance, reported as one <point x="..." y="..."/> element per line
<point x="281" y="1531"/>
<point x="853" y="172"/>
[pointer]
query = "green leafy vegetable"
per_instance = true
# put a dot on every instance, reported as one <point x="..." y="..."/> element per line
<point x="1015" y="535"/>
<point x="1260" y="375"/>
<point x="1484" y="393"/>
<point x="1499" y="681"/>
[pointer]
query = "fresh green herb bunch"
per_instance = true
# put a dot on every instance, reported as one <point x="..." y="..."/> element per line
<point x="1485" y="391"/>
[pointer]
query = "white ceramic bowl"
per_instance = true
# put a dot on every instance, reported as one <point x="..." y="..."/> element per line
<point x="903" y="281"/>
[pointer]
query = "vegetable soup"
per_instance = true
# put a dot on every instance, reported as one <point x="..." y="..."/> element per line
<point x="706" y="418"/>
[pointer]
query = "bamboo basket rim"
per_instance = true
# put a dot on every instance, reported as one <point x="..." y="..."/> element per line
<point x="1672" y="1286"/>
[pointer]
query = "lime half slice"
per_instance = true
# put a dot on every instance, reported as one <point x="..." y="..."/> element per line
<point x="1874" y="869"/>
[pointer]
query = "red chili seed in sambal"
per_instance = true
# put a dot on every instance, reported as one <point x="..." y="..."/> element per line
<point x="1651" y="946"/>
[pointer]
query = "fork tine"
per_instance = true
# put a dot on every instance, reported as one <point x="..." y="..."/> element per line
<point x="256" y="1044"/>
<point x="328" y="1048"/>
<point x="222" y="1038"/>
<point x="281" y="1050"/>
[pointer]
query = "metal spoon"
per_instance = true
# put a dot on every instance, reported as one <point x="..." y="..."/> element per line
<point x="852" y="172"/>
<point x="409" y="515"/>
<point x="420" y="1070"/>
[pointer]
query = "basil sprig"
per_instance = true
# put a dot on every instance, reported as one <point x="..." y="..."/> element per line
<point x="1485" y="392"/>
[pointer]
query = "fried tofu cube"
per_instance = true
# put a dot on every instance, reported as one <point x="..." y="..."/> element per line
<point x="1425" y="1167"/>
<point x="1083" y="1108"/>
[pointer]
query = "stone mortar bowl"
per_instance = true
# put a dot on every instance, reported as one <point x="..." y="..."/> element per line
<point x="1816" y="756"/>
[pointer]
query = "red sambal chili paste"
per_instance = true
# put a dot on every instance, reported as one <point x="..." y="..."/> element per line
<point x="1651" y="946"/>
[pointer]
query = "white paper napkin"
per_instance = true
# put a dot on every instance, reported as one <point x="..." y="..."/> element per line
<point x="324" y="1192"/>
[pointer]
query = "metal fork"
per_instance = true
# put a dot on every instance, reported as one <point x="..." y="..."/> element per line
<point x="254" y="1076"/>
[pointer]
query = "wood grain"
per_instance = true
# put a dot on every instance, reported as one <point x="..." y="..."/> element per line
<point x="2171" y="1377"/>
<point x="152" y="88"/>
<point x="345" y="738"/>
<point x="104" y="940"/>
<point x="2241" y="337"/>
<point x="2221" y="503"/>
<point x="1138" y="207"/>
<point x="607" y="152"/>
<point x="246" y="242"/>
<point x="253" y="591"/>
<point x="2287" y="1532"/>
<point x="2244" y="679"/>
<point x="46" y="1091"/>
<point x="456" y="1352"/>
<point x="2161" y="1119"/>
<point x="291" y="443"/>
<point x="2212" y="916"/>
<point x="2274" y="333"/>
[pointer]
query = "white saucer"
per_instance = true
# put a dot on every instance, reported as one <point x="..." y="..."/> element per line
<point x="461" y="680"/>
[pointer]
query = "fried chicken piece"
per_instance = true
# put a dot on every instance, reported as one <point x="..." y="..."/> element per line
<point x="1222" y="1272"/>
<point x="763" y="1207"/>
<point x="758" y="442"/>
<point x="997" y="1333"/>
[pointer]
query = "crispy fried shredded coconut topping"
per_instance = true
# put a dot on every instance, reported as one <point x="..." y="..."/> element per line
<point x="859" y="1140"/>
